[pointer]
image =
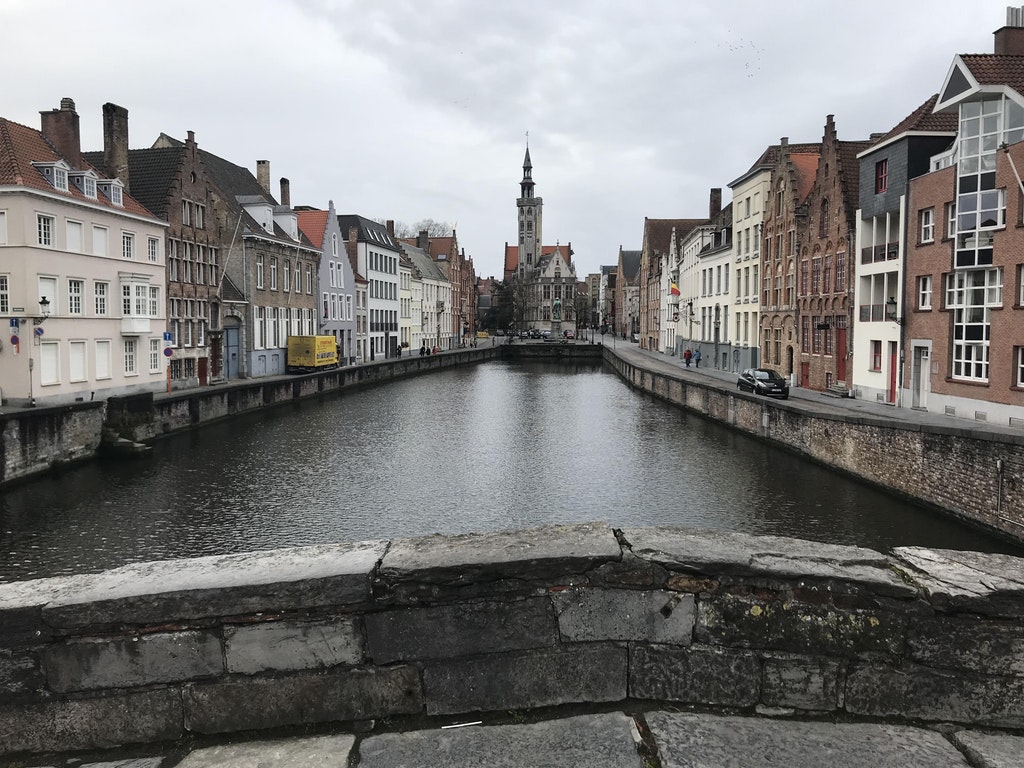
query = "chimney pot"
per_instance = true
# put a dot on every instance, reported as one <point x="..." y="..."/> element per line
<point x="390" y="224"/>
<point x="115" y="143"/>
<point x="286" y="192"/>
<point x="61" y="128"/>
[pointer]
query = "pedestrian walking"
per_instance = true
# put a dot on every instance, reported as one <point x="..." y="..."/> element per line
<point x="696" y="358"/>
<point x="687" y="356"/>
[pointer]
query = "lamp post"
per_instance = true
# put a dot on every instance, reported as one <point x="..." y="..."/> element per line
<point x="44" y="312"/>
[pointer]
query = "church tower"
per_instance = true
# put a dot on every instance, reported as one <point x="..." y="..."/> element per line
<point x="530" y="219"/>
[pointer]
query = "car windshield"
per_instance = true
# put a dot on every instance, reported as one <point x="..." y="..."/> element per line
<point x="766" y="375"/>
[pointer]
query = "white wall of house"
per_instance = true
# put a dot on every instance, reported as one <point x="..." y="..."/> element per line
<point x="103" y="273"/>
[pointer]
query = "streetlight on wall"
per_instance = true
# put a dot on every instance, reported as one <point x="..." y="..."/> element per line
<point x="44" y="312"/>
<point x="890" y="311"/>
<point x="718" y="325"/>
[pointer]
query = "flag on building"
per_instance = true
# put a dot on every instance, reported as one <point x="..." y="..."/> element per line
<point x="674" y="289"/>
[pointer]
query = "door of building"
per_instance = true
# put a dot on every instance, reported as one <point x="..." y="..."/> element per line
<point x="840" y="354"/>
<point x="893" y="368"/>
<point x="204" y="371"/>
<point x="919" y="374"/>
<point x="231" y="353"/>
<point x="805" y="375"/>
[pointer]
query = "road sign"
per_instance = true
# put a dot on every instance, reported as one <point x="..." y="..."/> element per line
<point x="168" y="336"/>
<point x="38" y="331"/>
<point x="15" y="340"/>
<point x="14" y="322"/>
<point x="168" y="352"/>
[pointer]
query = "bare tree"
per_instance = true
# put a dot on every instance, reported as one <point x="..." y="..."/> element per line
<point x="432" y="228"/>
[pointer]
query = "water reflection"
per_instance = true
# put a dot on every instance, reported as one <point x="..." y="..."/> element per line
<point x="494" y="446"/>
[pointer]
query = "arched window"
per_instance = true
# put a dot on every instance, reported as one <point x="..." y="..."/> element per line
<point x="823" y="223"/>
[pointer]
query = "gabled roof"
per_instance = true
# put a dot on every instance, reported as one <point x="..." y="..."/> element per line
<point x="151" y="173"/>
<point x="313" y="224"/>
<point x="368" y="231"/>
<point x="973" y="72"/>
<point x="658" y="232"/>
<point x="512" y="255"/>
<point x="423" y="263"/>
<point x="630" y="261"/>
<point x="922" y="120"/>
<point x="806" y="168"/>
<point x="20" y="146"/>
<point x="770" y="157"/>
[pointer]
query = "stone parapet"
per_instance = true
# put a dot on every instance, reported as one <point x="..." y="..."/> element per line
<point x="520" y="620"/>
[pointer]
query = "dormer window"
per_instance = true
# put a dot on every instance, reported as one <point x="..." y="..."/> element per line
<point x="86" y="182"/>
<point x="55" y="173"/>
<point x="112" y="189"/>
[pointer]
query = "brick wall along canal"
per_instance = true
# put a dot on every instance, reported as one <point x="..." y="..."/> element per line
<point x="482" y="448"/>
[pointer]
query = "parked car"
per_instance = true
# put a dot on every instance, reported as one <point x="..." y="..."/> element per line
<point x="763" y="381"/>
<point x="570" y="334"/>
<point x="499" y="332"/>
<point x="545" y="335"/>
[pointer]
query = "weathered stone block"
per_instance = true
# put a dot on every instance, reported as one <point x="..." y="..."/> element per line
<point x="460" y="629"/>
<point x="21" y="607"/>
<point x="291" y="646"/>
<point x="221" y="585"/>
<point x="990" y="750"/>
<point x="689" y="740"/>
<point x="928" y="694"/>
<point x="623" y="614"/>
<point x="700" y="675"/>
<point x="134" y="718"/>
<point x="749" y="622"/>
<point x="717" y="553"/>
<point x="803" y="683"/>
<point x="19" y="673"/>
<point x="546" y="552"/>
<point x="309" y="752"/>
<point x="995" y="648"/>
<point x="123" y="662"/>
<point x="585" y="741"/>
<point x="972" y="582"/>
<point x="354" y="694"/>
<point x="583" y="673"/>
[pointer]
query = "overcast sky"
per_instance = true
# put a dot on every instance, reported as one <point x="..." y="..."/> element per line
<point x="414" y="109"/>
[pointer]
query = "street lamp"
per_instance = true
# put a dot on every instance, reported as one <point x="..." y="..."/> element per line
<point x="718" y="325"/>
<point x="44" y="312"/>
<point x="890" y="311"/>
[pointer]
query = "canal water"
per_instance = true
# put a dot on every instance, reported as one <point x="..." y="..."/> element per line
<point x="496" y="446"/>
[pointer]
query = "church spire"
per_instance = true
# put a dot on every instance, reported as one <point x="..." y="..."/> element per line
<point x="526" y="185"/>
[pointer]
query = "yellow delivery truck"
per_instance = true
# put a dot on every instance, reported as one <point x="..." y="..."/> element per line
<point x="311" y="353"/>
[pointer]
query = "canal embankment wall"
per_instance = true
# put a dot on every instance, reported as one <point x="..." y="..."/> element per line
<point x="439" y="629"/>
<point x="974" y="475"/>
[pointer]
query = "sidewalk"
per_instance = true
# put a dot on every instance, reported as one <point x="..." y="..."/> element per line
<point x="609" y="739"/>
<point x="809" y="400"/>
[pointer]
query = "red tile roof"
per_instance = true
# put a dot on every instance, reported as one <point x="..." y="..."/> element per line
<point x="312" y="224"/>
<point x="924" y="119"/>
<point x="20" y="146"/>
<point x="996" y="69"/>
<point x="806" y="167"/>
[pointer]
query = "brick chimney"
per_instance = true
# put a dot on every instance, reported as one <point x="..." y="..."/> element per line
<point x="1009" y="40"/>
<point x="715" y="205"/>
<point x="61" y="128"/>
<point x="115" y="143"/>
<point x="286" y="192"/>
<point x="263" y="174"/>
<point x="390" y="225"/>
<point x="423" y="241"/>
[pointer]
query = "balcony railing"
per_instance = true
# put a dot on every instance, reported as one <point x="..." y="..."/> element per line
<point x="134" y="325"/>
<point x="872" y="313"/>
<point x="883" y="252"/>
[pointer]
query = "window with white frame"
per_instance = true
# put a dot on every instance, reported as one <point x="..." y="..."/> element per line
<point x="950" y="219"/>
<point x="74" y="236"/>
<point x="298" y="277"/>
<point x="48" y="288"/>
<point x="77" y="366"/>
<point x="273" y="273"/>
<point x="136" y="301"/>
<point x="186" y="213"/>
<point x="971" y="295"/>
<point x="924" y="292"/>
<point x="153" y="249"/>
<point x="102" y="358"/>
<point x="131" y="353"/>
<point x="100" y="292"/>
<point x="330" y="270"/>
<point x="44" y="230"/>
<point x="154" y="301"/>
<point x="200" y="216"/>
<point x="286" y="276"/>
<point x="927" y="225"/>
<point x="5" y="294"/>
<point x="60" y="178"/>
<point x="75" y="290"/>
<point x="1019" y="366"/>
<point x="127" y="245"/>
<point x="309" y="280"/>
<point x="259" y="270"/>
<point x="154" y="355"/>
